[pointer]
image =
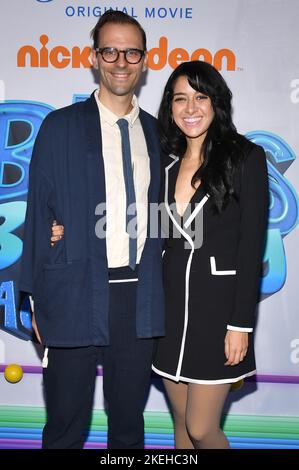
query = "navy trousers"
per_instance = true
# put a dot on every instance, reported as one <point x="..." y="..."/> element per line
<point x="69" y="379"/>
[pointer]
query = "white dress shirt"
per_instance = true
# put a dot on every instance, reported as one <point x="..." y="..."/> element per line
<point x="117" y="239"/>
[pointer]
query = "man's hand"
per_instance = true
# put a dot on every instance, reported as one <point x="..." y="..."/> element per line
<point x="57" y="232"/>
<point x="235" y="347"/>
<point x="33" y="321"/>
<point x="35" y="329"/>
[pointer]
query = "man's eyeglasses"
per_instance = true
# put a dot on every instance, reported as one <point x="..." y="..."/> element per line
<point x="111" y="54"/>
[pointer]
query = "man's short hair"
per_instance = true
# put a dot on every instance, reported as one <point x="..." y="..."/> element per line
<point x="115" y="17"/>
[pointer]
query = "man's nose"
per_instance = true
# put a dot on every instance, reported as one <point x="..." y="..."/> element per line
<point x="121" y="61"/>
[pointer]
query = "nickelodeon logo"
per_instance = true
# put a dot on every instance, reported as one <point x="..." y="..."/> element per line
<point x="61" y="57"/>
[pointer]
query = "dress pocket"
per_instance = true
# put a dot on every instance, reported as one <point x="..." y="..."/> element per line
<point x="215" y="271"/>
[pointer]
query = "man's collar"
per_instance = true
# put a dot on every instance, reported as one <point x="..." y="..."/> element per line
<point x="111" y="118"/>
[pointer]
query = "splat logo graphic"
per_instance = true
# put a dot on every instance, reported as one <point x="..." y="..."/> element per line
<point x="283" y="215"/>
<point x="19" y="125"/>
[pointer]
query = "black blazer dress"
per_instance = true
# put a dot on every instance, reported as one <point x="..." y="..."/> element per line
<point x="212" y="268"/>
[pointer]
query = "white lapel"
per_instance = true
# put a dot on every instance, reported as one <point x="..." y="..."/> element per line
<point x="193" y="214"/>
<point x="170" y="214"/>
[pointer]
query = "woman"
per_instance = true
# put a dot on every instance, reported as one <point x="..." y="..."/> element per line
<point x="216" y="198"/>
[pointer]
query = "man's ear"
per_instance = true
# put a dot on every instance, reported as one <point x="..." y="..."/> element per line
<point x="144" y="67"/>
<point x="94" y="60"/>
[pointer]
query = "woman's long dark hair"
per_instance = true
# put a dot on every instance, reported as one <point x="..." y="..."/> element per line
<point x="222" y="148"/>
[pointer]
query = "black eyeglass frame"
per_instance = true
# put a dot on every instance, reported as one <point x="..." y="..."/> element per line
<point x="100" y="50"/>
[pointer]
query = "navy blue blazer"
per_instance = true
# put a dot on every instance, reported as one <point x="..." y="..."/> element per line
<point x="69" y="282"/>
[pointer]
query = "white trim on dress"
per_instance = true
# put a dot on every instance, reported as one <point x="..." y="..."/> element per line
<point x="215" y="272"/>
<point x="196" y="211"/>
<point x="239" y="328"/>
<point x="200" y="381"/>
<point x="188" y="267"/>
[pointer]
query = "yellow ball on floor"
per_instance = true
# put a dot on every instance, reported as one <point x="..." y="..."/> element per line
<point x="237" y="385"/>
<point x="13" y="373"/>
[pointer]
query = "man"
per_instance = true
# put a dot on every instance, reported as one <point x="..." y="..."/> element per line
<point x="95" y="293"/>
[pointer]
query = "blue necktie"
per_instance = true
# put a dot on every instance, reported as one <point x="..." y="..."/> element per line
<point x="130" y="190"/>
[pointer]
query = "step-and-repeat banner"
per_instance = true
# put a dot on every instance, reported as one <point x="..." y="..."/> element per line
<point x="45" y="64"/>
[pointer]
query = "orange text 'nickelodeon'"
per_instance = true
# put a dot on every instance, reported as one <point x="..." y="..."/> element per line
<point x="61" y="57"/>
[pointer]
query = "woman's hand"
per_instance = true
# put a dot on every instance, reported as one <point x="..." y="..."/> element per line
<point x="57" y="232"/>
<point x="235" y="347"/>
